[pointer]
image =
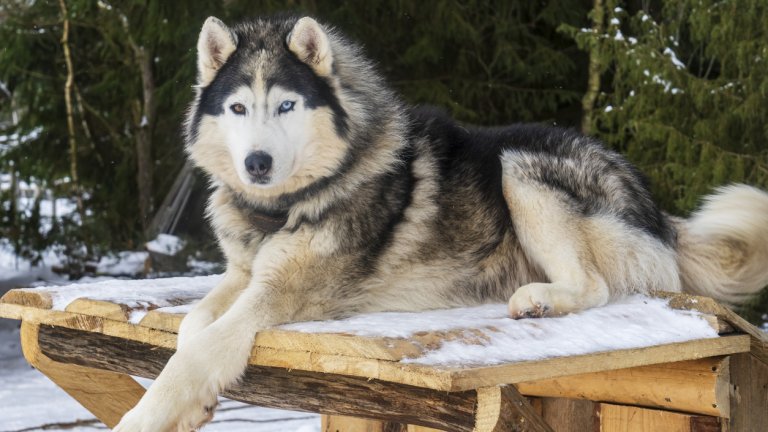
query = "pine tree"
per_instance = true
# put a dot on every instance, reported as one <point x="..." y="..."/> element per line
<point x="683" y="95"/>
<point x="487" y="62"/>
<point x="127" y="84"/>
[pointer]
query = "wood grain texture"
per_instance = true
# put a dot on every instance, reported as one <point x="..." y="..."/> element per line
<point x="35" y="299"/>
<point x="570" y="415"/>
<point x="392" y="349"/>
<point x="107" y="395"/>
<point x="697" y="386"/>
<point x="356" y="424"/>
<point x="706" y="305"/>
<point x="276" y="387"/>
<point x="749" y="396"/>
<point x="439" y="378"/>
<point x="621" y="418"/>
<point x="98" y="308"/>
<point x="504" y="409"/>
<point x="605" y="361"/>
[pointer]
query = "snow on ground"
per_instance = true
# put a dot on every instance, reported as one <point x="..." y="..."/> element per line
<point x="166" y="244"/>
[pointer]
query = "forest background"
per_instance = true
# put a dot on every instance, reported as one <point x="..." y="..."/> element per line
<point x="93" y="93"/>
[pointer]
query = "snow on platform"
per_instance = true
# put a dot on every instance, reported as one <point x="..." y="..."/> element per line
<point x="635" y="322"/>
<point x="481" y="335"/>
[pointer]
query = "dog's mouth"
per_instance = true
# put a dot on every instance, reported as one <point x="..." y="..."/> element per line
<point x="262" y="180"/>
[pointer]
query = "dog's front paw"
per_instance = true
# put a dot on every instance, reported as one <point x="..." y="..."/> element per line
<point x="531" y="301"/>
<point x="167" y="417"/>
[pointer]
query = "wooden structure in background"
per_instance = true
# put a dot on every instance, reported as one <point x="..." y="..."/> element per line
<point x="360" y="384"/>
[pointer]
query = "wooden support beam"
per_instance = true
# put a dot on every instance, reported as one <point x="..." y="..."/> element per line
<point x="695" y="386"/>
<point x="569" y="415"/>
<point x="356" y="424"/>
<point x="276" y="387"/>
<point x="749" y="396"/>
<point x="498" y="408"/>
<point x="372" y="358"/>
<point x="503" y="409"/>
<point x="621" y="418"/>
<point x="107" y="395"/>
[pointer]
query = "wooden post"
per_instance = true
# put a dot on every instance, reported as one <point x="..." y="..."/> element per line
<point x="749" y="394"/>
<point x="569" y="415"/>
<point x="355" y="424"/>
<point x="504" y="409"/>
<point x="107" y="395"/>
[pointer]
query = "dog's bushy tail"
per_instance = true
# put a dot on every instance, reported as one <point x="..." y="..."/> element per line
<point x="723" y="247"/>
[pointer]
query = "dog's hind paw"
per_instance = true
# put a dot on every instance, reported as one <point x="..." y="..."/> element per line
<point x="531" y="301"/>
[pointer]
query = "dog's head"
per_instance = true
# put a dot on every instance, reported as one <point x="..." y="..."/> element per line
<point x="267" y="119"/>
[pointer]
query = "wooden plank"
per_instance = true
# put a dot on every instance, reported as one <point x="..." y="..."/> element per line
<point x="349" y="424"/>
<point x="611" y="360"/>
<point x="276" y="387"/>
<point x="98" y="308"/>
<point x="697" y="386"/>
<point x="37" y="299"/>
<point x="107" y="395"/>
<point x="414" y="428"/>
<point x="706" y="305"/>
<point x="749" y="398"/>
<point x="393" y="349"/>
<point x="356" y="424"/>
<point x="162" y="321"/>
<point x="621" y="418"/>
<point x="503" y="408"/>
<point x="439" y="378"/>
<point x="569" y="415"/>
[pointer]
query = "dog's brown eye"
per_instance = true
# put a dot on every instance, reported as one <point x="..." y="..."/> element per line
<point x="237" y="108"/>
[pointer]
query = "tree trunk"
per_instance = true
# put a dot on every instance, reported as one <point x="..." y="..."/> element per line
<point x="146" y="121"/>
<point x="593" y="83"/>
<point x="70" y="115"/>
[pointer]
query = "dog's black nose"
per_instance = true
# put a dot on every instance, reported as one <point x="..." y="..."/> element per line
<point x="258" y="163"/>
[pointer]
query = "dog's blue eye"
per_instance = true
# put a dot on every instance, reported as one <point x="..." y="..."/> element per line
<point x="286" y="106"/>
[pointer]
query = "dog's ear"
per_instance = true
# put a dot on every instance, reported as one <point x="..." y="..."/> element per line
<point x="214" y="46"/>
<point x="310" y="44"/>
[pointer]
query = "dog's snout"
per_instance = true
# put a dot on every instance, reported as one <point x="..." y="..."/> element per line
<point x="258" y="163"/>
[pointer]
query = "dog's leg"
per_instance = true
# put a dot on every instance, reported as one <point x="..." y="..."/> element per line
<point x="555" y="238"/>
<point x="181" y="397"/>
<point x="216" y="356"/>
<point x="214" y="304"/>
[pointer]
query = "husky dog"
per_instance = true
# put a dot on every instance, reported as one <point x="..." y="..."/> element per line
<point x="333" y="198"/>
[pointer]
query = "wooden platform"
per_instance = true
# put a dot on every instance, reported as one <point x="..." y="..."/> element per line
<point x="349" y="375"/>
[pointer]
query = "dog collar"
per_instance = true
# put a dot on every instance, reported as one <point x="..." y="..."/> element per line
<point x="268" y="222"/>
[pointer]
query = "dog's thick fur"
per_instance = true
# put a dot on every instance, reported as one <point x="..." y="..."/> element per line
<point x="391" y="208"/>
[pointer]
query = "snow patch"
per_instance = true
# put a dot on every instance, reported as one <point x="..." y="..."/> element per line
<point x="675" y="61"/>
<point x="635" y="322"/>
<point x="123" y="264"/>
<point x="166" y="244"/>
<point x="139" y="294"/>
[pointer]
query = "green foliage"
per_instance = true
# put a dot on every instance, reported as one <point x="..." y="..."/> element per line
<point x="107" y="100"/>
<point x="685" y="84"/>
<point x="487" y="62"/>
